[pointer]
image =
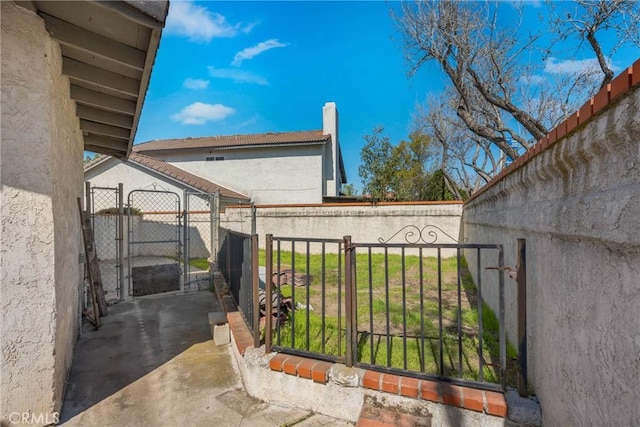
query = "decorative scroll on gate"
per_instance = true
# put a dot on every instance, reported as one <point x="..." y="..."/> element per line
<point x="428" y="234"/>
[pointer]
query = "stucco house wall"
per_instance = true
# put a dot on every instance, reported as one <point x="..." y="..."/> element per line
<point x="577" y="203"/>
<point x="285" y="174"/>
<point x="41" y="161"/>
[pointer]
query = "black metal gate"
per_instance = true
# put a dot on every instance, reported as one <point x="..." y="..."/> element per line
<point x="154" y="242"/>
<point x="415" y="309"/>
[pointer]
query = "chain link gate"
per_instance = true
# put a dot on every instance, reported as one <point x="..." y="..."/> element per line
<point x="105" y="207"/>
<point x="201" y="218"/>
<point x="154" y="242"/>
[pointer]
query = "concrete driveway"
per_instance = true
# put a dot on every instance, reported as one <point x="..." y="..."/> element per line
<point x="154" y="363"/>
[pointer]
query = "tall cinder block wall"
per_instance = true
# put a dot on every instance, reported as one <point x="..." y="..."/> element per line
<point x="576" y="200"/>
<point x="427" y="222"/>
<point x="41" y="174"/>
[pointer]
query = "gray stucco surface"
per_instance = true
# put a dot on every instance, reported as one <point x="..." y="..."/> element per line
<point x="157" y="9"/>
<point x="577" y="204"/>
<point x="40" y="225"/>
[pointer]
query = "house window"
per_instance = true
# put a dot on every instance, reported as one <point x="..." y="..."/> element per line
<point x="215" y="159"/>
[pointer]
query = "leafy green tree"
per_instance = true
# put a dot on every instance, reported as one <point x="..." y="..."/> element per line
<point x="411" y="161"/>
<point x="376" y="169"/>
<point x="349" y="190"/>
<point x="404" y="172"/>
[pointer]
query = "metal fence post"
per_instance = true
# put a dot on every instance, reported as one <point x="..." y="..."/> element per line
<point x="213" y="242"/>
<point x="501" y="319"/>
<point x="121" y="240"/>
<point x="253" y="218"/>
<point x="268" y="319"/>
<point x="255" y="300"/>
<point x="348" y="299"/>
<point x="521" y="279"/>
<point x="185" y="244"/>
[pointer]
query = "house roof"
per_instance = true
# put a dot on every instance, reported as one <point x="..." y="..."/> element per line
<point x="236" y="141"/>
<point x="175" y="173"/>
<point x="108" y="50"/>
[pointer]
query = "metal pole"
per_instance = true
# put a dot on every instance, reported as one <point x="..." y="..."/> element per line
<point x="129" y="245"/>
<point x="216" y="229"/>
<point x="212" y="248"/>
<point x="253" y="218"/>
<point x="255" y="297"/>
<point x="521" y="279"/>
<point x="185" y="238"/>
<point x="503" y="332"/>
<point x="348" y="300"/>
<point x="121" y="239"/>
<point x="268" y="316"/>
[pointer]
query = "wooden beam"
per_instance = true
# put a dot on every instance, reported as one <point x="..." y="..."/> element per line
<point x="98" y="76"/>
<point x="105" y="130"/>
<point x="118" y="145"/>
<point x="71" y="35"/>
<point x="102" y="100"/>
<point x="102" y="150"/>
<point x="104" y="117"/>
<point x="146" y="76"/>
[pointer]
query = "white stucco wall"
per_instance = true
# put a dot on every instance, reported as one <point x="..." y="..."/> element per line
<point x="41" y="160"/>
<point x="133" y="177"/>
<point x="267" y="175"/>
<point x="578" y="206"/>
<point x="364" y="223"/>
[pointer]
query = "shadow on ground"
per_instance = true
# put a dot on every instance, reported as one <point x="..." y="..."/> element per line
<point x="136" y="338"/>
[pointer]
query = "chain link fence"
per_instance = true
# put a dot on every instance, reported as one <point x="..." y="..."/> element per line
<point x="201" y="216"/>
<point x="107" y="223"/>
<point x="155" y="241"/>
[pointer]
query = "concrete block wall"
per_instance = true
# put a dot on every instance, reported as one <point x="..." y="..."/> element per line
<point x="575" y="197"/>
<point x="364" y="222"/>
<point x="41" y="173"/>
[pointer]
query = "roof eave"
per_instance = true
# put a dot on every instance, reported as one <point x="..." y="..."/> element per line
<point x="109" y="71"/>
<point x="233" y="147"/>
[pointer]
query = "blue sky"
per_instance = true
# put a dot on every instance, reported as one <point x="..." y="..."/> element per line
<point x="249" y="67"/>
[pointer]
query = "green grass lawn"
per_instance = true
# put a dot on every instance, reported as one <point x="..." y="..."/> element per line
<point x="199" y="263"/>
<point x="409" y="336"/>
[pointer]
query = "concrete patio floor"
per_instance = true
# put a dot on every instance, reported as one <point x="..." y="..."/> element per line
<point x="154" y="363"/>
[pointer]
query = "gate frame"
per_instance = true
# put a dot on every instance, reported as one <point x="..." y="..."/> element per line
<point x="130" y="241"/>
<point x="214" y="223"/>
<point x="119" y="234"/>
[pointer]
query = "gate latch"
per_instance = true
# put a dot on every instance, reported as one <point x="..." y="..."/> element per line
<point x="513" y="273"/>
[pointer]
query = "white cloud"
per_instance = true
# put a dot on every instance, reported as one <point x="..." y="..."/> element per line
<point x="572" y="66"/>
<point x="238" y="76"/>
<point x="199" y="24"/>
<point x="196" y="83"/>
<point x="200" y="113"/>
<point x="256" y="50"/>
